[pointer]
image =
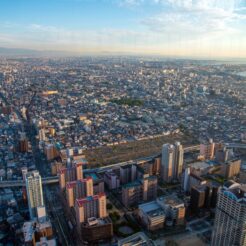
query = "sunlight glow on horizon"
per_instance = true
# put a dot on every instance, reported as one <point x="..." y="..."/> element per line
<point x="206" y="28"/>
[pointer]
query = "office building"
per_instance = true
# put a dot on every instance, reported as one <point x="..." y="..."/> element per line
<point x="230" y="216"/>
<point x="78" y="189"/>
<point x="198" y="196"/>
<point x="34" y="192"/>
<point x="96" y="229"/>
<point x="111" y="179"/>
<point x="151" y="215"/>
<point x="131" y="193"/>
<point x="195" y="180"/>
<point x="128" y="174"/>
<point x="88" y="207"/>
<point x="33" y="231"/>
<point x="144" y="189"/>
<point x="149" y="187"/>
<point x="174" y="209"/>
<point x="231" y="168"/>
<point x="171" y="162"/>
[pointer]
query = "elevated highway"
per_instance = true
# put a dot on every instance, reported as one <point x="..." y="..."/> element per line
<point x="54" y="179"/>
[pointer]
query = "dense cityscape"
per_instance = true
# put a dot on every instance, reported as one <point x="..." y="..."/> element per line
<point x="122" y="123"/>
<point x="122" y="151"/>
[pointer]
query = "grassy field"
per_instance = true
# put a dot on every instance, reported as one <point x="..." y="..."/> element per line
<point x="107" y="155"/>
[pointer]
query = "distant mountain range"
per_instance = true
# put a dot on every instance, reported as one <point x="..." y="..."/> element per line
<point x="8" y="52"/>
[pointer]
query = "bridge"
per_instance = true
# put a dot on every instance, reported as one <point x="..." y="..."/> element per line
<point x="20" y="183"/>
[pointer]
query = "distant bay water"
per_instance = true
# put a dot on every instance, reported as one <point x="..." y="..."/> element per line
<point x="242" y="74"/>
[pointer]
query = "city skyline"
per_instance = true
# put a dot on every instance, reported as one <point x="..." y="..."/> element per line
<point x="211" y="29"/>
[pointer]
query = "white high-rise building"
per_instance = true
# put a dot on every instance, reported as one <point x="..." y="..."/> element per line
<point x="34" y="192"/>
<point x="171" y="162"/>
<point x="230" y="216"/>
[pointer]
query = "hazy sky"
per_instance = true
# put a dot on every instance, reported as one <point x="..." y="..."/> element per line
<point x="209" y="28"/>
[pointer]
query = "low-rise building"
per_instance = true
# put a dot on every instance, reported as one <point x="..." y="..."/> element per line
<point x="95" y="229"/>
<point x="152" y="215"/>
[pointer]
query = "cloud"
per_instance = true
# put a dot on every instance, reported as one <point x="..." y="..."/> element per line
<point x="175" y="27"/>
<point x="196" y="18"/>
<point x="130" y="3"/>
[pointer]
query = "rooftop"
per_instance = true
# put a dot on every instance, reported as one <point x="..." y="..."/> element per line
<point x="94" y="176"/>
<point x="136" y="239"/>
<point x="131" y="185"/>
<point x="171" y="200"/>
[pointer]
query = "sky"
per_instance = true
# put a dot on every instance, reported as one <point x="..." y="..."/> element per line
<point x="197" y="28"/>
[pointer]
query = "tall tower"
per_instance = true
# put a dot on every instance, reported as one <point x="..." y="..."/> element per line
<point x="34" y="192"/>
<point x="172" y="162"/>
<point x="230" y="217"/>
<point x="167" y="162"/>
<point x="178" y="160"/>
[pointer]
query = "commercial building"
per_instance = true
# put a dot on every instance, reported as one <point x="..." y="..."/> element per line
<point x="151" y="215"/>
<point x="198" y="196"/>
<point x="230" y="216"/>
<point x="171" y="162"/>
<point x="33" y="231"/>
<point x="195" y="180"/>
<point x="95" y="229"/>
<point x="203" y="196"/>
<point x="34" y="192"/>
<point x="149" y="187"/>
<point x="111" y="179"/>
<point x="144" y="189"/>
<point x="174" y="209"/>
<point x="128" y="174"/>
<point x="232" y="168"/>
<point x="78" y="189"/>
<point x="131" y="193"/>
<point x="88" y="207"/>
